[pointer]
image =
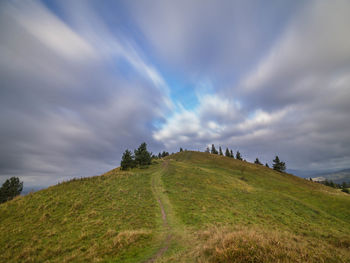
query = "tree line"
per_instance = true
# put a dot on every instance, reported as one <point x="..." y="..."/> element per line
<point x="343" y="186"/>
<point x="277" y="164"/>
<point x="143" y="157"/>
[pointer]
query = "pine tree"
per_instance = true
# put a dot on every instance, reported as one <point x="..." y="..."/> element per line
<point x="257" y="161"/>
<point x="278" y="165"/>
<point x="127" y="160"/>
<point x="181" y="150"/>
<point x="142" y="156"/>
<point x="164" y="154"/>
<point x="207" y="150"/>
<point x="213" y="150"/>
<point x="267" y="165"/>
<point x="231" y="154"/>
<point x="220" y="151"/>
<point x="238" y="156"/>
<point x="227" y="153"/>
<point x="10" y="189"/>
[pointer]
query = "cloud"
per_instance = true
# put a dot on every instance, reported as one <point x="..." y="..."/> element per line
<point x="66" y="107"/>
<point x="312" y="51"/>
<point x="212" y="39"/>
<point x="216" y="120"/>
<point x="293" y="99"/>
<point x="307" y="70"/>
<point x="80" y="82"/>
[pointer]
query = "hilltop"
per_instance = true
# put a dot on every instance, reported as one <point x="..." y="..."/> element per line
<point x="187" y="207"/>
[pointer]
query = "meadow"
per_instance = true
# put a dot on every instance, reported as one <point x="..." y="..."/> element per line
<point x="187" y="207"/>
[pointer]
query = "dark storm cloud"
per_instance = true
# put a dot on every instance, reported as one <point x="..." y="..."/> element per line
<point x="66" y="109"/>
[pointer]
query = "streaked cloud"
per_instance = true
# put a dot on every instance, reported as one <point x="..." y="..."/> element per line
<point x="81" y="81"/>
<point x="67" y="109"/>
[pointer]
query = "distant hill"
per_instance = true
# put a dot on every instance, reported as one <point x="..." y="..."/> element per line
<point x="337" y="177"/>
<point x="187" y="207"/>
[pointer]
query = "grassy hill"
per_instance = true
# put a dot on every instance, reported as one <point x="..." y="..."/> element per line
<point x="188" y="207"/>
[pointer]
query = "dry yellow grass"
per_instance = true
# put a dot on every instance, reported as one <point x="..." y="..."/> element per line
<point x="224" y="244"/>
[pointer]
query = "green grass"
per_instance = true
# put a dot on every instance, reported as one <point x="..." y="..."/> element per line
<point x="101" y="218"/>
<point x="218" y="210"/>
<point x="207" y="190"/>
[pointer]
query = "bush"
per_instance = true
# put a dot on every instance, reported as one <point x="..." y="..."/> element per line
<point x="346" y="190"/>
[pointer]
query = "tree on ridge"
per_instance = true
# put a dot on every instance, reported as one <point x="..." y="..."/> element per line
<point x="278" y="165"/>
<point x="10" y="189"/>
<point x="127" y="161"/>
<point x="238" y="156"/>
<point x="213" y="150"/>
<point x="257" y="161"/>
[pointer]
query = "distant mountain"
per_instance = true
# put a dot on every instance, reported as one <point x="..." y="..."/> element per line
<point x="337" y="176"/>
<point x="305" y="173"/>
<point x="27" y="190"/>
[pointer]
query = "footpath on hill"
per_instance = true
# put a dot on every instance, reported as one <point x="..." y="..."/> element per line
<point x="172" y="229"/>
<point x="158" y="191"/>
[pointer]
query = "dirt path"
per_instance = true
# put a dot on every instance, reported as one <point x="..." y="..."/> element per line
<point x="166" y="242"/>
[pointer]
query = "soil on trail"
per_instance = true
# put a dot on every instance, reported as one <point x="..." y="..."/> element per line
<point x="167" y="228"/>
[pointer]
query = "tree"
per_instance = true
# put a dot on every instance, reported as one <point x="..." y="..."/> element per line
<point x="10" y="189"/>
<point x="207" y="150"/>
<point x="159" y="155"/>
<point x="142" y="156"/>
<point x="220" y="151"/>
<point x="257" y="161"/>
<point x="227" y="153"/>
<point x="127" y="160"/>
<point x="238" y="156"/>
<point x="164" y="154"/>
<point x="181" y="150"/>
<point x="326" y="183"/>
<point x="231" y="154"/>
<point x="213" y="150"/>
<point x="267" y="165"/>
<point x="278" y="165"/>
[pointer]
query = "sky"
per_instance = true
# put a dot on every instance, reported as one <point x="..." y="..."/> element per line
<point x="81" y="81"/>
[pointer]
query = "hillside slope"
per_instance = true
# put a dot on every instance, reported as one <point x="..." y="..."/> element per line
<point x="187" y="207"/>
